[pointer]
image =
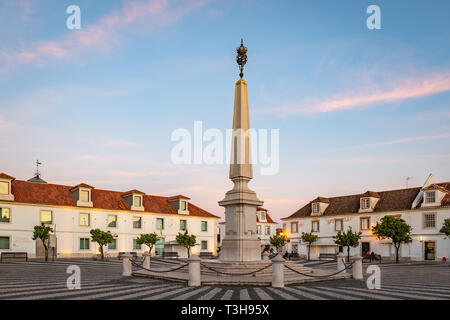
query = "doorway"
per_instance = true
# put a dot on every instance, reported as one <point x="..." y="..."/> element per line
<point x="365" y="248"/>
<point x="159" y="247"/>
<point x="430" y="250"/>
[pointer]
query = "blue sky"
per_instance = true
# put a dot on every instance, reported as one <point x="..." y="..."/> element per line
<point x="357" y="109"/>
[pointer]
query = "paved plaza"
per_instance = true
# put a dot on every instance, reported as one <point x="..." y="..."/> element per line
<point x="102" y="280"/>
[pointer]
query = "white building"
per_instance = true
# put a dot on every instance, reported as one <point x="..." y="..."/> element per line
<point x="72" y="211"/>
<point x="424" y="209"/>
<point x="265" y="227"/>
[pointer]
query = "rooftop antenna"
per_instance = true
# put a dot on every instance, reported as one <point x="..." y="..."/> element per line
<point x="407" y="179"/>
<point x="37" y="173"/>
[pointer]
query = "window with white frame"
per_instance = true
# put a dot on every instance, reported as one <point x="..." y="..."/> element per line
<point x="4" y="187"/>
<point x="429" y="220"/>
<point x="258" y="229"/>
<point x="338" y="225"/>
<point x="137" y="201"/>
<point x="183" y="225"/>
<point x="85" y="219"/>
<point x="365" y="203"/>
<point x="204" y="245"/>
<point x="84" y="243"/>
<point x="159" y="224"/>
<point x="46" y="217"/>
<point x="315" y="226"/>
<point x="136" y="245"/>
<point x="4" y="243"/>
<point x="85" y="195"/>
<point x="316" y="207"/>
<point x="137" y="222"/>
<point x="430" y="197"/>
<point x="365" y="223"/>
<point x="183" y="205"/>
<point x="204" y="225"/>
<point x="262" y="214"/>
<point x="267" y="230"/>
<point x="5" y="215"/>
<point x="112" y="221"/>
<point x="112" y="245"/>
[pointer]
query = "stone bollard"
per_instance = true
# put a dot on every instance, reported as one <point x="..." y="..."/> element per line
<point x="266" y="256"/>
<point x="194" y="271"/>
<point x="340" y="262"/>
<point x="357" y="267"/>
<point x="146" y="263"/>
<point x="126" y="265"/>
<point x="278" y="272"/>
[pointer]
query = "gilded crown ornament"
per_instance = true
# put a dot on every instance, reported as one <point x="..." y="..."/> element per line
<point x="241" y="57"/>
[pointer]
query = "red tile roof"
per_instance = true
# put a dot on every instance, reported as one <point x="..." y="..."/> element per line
<point x="5" y="176"/>
<point x="370" y="194"/>
<point x="394" y="200"/>
<point x="268" y="218"/>
<point x="321" y="199"/>
<point x="82" y="185"/>
<point x="59" y="195"/>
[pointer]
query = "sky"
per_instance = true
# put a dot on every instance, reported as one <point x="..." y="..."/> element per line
<point x="356" y="109"/>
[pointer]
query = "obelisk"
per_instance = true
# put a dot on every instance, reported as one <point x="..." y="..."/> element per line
<point x="241" y="243"/>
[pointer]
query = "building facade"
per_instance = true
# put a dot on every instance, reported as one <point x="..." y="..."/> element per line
<point x="265" y="227"/>
<point x="423" y="208"/>
<point x="72" y="211"/>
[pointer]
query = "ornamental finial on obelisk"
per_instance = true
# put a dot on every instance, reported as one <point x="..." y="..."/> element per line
<point x="241" y="57"/>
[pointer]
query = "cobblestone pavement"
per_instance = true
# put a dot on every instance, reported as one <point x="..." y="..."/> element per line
<point x="102" y="280"/>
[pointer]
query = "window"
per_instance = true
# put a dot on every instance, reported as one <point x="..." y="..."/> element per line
<point x="84" y="219"/>
<point x="204" y="245"/>
<point x="204" y="225"/>
<point x="315" y="226"/>
<point x="4" y="187"/>
<point x="263" y="215"/>
<point x="429" y="220"/>
<point x="316" y="207"/>
<point x="112" y="245"/>
<point x="84" y="195"/>
<point x="258" y="229"/>
<point x="137" y="201"/>
<point x="430" y="197"/>
<point x="284" y="227"/>
<point x="136" y="245"/>
<point x="159" y="224"/>
<point x="5" y="215"/>
<point x="338" y="225"/>
<point x="46" y="217"/>
<point x="112" y="221"/>
<point x="365" y="203"/>
<point x="365" y="223"/>
<point x="137" y="222"/>
<point x="183" y="205"/>
<point x="294" y="227"/>
<point x="183" y="225"/>
<point x="267" y="229"/>
<point x="4" y="242"/>
<point x="84" y="243"/>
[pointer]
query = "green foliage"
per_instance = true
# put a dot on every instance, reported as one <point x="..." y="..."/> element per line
<point x="309" y="238"/>
<point x="187" y="240"/>
<point x="347" y="239"/>
<point x="148" y="239"/>
<point x="446" y="227"/>
<point x="102" y="238"/>
<point x="42" y="232"/>
<point x="278" y="242"/>
<point x="393" y="228"/>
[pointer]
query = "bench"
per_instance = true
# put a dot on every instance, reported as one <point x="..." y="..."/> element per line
<point x="206" y="255"/>
<point x="14" y="255"/>
<point x="170" y="255"/>
<point x="376" y="257"/>
<point x="327" y="256"/>
<point x="120" y="255"/>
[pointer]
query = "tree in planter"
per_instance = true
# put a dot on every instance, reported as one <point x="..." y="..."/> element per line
<point x="187" y="240"/>
<point x="309" y="238"/>
<point x="278" y="242"/>
<point x="446" y="227"/>
<point x="347" y="239"/>
<point x="103" y="238"/>
<point x="393" y="228"/>
<point x="43" y="232"/>
<point x="149" y="240"/>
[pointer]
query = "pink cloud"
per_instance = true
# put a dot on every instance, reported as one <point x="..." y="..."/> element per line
<point x="404" y="140"/>
<point x="144" y="15"/>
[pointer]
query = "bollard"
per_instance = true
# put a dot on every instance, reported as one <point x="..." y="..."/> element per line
<point x="146" y="263"/>
<point x="357" y="267"/>
<point x="340" y="262"/>
<point x="194" y="271"/>
<point x="266" y="256"/>
<point x="126" y="265"/>
<point x="278" y="272"/>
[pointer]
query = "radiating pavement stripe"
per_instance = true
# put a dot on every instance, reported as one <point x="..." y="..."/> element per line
<point x="125" y="293"/>
<point x="309" y="293"/>
<point x="282" y="294"/>
<point x="227" y="295"/>
<point x="374" y="295"/>
<point x="396" y="294"/>
<point x="262" y="294"/>
<point x="415" y="294"/>
<point x="244" y="295"/>
<point x="189" y="294"/>
<point x="420" y="289"/>
<point x="167" y="294"/>
<point x="210" y="294"/>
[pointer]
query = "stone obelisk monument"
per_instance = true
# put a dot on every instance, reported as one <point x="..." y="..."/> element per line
<point x="241" y="243"/>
